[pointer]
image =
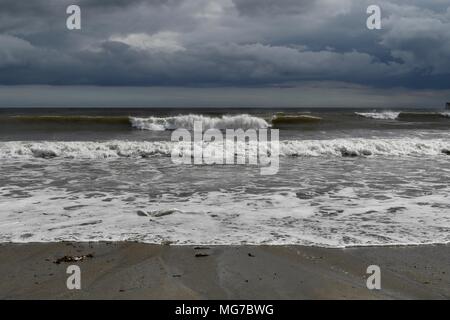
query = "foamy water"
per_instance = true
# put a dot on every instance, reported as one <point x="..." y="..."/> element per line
<point x="300" y="148"/>
<point x="243" y="121"/>
<point x="279" y="218"/>
<point x="386" y="115"/>
<point x="339" y="183"/>
<point x="321" y="201"/>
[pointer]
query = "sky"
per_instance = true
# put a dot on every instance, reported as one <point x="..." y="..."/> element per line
<point x="274" y="53"/>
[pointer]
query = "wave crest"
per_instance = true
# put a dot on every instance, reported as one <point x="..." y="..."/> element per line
<point x="243" y="121"/>
<point x="288" y="148"/>
<point x="386" y="115"/>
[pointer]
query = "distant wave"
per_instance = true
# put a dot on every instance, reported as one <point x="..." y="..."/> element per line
<point x="386" y="115"/>
<point x="243" y="121"/>
<point x="288" y="148"/>
<point x="407" y="115"/>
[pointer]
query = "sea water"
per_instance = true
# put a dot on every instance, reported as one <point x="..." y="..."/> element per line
<point x="351" y="179"/>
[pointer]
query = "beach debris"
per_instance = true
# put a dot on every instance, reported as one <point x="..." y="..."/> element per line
<point x="73" y="258"/>
<point x="201" y="255"/>
<point x="251" y="255"/>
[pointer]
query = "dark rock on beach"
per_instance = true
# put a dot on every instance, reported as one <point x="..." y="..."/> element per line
<point x="73" y="258"/>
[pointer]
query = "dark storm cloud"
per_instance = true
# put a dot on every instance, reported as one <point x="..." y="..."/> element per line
<point x="270" y="7"/>
<point x="225" y="43"/>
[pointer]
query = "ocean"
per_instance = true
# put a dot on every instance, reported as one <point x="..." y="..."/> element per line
<point x="346" y="178"/>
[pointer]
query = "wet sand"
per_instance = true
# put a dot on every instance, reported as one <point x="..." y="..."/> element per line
<point x="121" y="270"/>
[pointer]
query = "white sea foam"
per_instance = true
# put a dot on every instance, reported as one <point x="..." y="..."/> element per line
<point x="445" y="114"/>
<point x="302" y="148"/>
<point x="343" y="218"/>
<point x="321" y="201"/>
<point x="243" y="121"/>
<point x="365" y="147"/>
<point x="386" y="115"/>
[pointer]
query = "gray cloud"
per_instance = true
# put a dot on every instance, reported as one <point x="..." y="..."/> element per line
<point x="270" y="7"/>
<point x="225" y="43"/>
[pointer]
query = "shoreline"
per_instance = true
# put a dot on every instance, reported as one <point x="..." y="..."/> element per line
<point x="131" y="270"/>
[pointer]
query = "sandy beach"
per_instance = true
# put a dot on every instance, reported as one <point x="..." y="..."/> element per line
<point x="121" y="270"/>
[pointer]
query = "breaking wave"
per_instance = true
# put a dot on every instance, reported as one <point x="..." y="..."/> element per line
<point x="289" y="148"/>
<point x="387" y="115"/>
<point x="407" y="115"/>
<point x="243" y="121"/>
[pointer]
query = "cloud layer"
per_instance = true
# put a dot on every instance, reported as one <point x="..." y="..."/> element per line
<point x="216" y="43"/>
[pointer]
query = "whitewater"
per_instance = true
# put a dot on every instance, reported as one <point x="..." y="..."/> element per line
<point x="243" y="121"/>
<point x="386" y="115"/>
<point x="412" y="147"/>
<point x="324" y="201"/>
<point x="346" y="180"/>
